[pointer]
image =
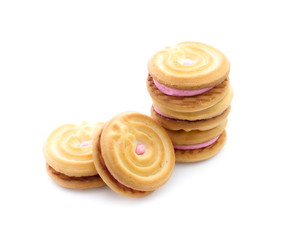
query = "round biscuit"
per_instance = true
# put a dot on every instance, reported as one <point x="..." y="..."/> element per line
<point x="117" y="161"/>
<point x="207" y="113"/>
<point x="189" y="65"/>
<point x="182" y="137"/>
<point x="177" y="124"/>
<point x="201" y="154"/>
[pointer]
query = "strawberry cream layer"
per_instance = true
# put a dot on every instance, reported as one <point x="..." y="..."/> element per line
<point x="115" y="177"/>
<point x="178" y="92"/>
<point x="161" y="113"/>
<point x="196" y="146"/>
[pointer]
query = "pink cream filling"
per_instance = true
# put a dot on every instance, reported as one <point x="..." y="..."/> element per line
<point x="115" y="177"/>
<point x="178" y="92"/>
<point x="196" y="146"/>
<point x="161" y="113"/>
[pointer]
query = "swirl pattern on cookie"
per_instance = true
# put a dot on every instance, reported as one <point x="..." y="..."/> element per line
<point x="189" y="66"/>
<point x="68" y="149"/>
<point x="136" y="152"/>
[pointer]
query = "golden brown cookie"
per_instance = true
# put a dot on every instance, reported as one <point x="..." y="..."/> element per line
<point x="207" y="113"/>
<point x="182" y="137"/>
<point x="176" y="124"/>
<point x="133" y="154"/>
<point x="68" y="154"/>
<point x="188" y="103"/>
<point x="201" y="154"/>
<point x="189" y="66"/>
<point x="74" y="182"/>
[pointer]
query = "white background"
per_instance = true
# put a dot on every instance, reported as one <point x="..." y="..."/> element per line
<point x="65" y="61"/>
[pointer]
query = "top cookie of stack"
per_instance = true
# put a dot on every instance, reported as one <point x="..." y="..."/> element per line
<point x="191" y="95"/>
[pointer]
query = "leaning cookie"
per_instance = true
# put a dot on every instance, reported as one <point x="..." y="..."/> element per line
<point x="68" y="154"/>
<point x="133" y="154"/>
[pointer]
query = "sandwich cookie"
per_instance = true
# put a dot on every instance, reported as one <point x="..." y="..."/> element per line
<point x="207" y="113"/>
<point x="198" y="145"/>
<point x="133" y="154"/>
<point x="177" y="124"/>
<point x="68" y="154"/>
<point x="183" y="139"/>
<point x="188" y="69"/>
<point x="182" y="103"/>
<point x="202" y="151"/>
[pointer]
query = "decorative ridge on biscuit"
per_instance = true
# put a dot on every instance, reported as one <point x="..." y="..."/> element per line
<point x="68" y="154"/>
<point x="133" y="154"/>
<point x="189" y="66"/>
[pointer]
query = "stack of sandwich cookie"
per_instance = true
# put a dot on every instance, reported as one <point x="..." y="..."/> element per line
<point x="133" y="154"/>
<point x="191" y="95"/>
<point x="68" y="154"/>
